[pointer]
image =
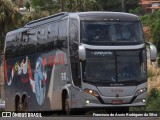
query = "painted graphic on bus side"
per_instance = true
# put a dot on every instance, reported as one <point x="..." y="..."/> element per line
<point x="37" y="77"/>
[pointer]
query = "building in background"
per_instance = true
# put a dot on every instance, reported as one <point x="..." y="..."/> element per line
<point x="21" y="6"/>
<point x="150" y="5"/>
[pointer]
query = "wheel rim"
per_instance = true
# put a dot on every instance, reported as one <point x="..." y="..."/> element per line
<point x="66" y="106"/>
<point x="19" y="107"/>
<point x="25" y="106"/>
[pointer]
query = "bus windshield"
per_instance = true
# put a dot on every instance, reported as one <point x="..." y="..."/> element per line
<point x="110" y="33"/>
<point x="114" y="66"/>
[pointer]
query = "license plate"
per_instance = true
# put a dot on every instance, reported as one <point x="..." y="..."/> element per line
<point x="117" y="101"/>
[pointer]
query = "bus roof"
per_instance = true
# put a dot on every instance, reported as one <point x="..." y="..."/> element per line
<point x="48" y="19"/>
<point x="93" y="15"/>
<point x="17" y="31"/>
<point x="86" y="16"/>
<point x="108" y="16"/>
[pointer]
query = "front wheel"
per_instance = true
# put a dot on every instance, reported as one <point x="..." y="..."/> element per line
<point x="67" y="106"/>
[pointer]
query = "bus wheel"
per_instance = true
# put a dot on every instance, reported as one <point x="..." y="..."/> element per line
<point x="67" y="106"/>
<point x="18" y="106"/>
<point x="25" y="105"/>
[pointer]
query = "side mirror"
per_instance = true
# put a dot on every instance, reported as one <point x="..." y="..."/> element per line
<point x="153" y="52"/>
<point x="82" y="52"/>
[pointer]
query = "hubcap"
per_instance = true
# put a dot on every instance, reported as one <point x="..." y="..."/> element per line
<point x="66" y="105"/>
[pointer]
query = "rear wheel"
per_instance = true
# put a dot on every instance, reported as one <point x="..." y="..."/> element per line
<point x="25" y="105"/>
<point x="21" y="106"/>
<point x="18" y="106"/>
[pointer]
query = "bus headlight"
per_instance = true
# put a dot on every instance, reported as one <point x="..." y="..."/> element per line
<point x="87" y="101"/>
<point x="140" y="91"/>
<point x="91" y="92"/>
<point x="144" y="100"/>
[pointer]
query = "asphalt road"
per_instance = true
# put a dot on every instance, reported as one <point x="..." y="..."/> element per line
<point x="2" y="106"/>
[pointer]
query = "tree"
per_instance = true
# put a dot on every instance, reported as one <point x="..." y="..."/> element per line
<point x="110" y="5"/>
<point x="19" y="3"/>
<point x="33" y="16"/>
<point x="153" y="22"/>
<point x="156" y="34"/>
<point x="138" y="11"/>
<point x="118" y="5"/>
<point x="41" y="5"/>
<point x="27" y="5"/>
<point x="8" y="18"/>
<point x="131" y="4"/>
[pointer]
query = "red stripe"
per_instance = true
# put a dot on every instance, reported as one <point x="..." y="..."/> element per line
<point x="5" y="70"/>
<point x="30" y="70"/>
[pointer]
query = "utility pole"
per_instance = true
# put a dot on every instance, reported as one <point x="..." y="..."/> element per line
<point x="81" y="5"/>
<point x="123" y="5"/>
<point x="62" y="5"/>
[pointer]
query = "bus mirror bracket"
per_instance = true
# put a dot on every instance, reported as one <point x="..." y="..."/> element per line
<point x="82" y="52"/>
<point x="153" y="51"/>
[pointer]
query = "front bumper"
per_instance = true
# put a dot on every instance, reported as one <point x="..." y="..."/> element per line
<point x="130" y="101"/>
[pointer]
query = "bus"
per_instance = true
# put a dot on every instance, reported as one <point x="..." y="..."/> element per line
<point x="77" y="61"/>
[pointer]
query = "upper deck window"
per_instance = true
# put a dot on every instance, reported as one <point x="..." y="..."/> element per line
<point x="111" y="33"/>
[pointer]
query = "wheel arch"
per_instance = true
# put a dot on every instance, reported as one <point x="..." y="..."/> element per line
<point x="65" y="91"/>
<point x="24" y="96"/>
<point x="17" y="100"/>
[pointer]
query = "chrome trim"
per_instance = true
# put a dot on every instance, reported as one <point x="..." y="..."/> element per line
<point x="127" y="47"/>
<point x="82" y="52"/>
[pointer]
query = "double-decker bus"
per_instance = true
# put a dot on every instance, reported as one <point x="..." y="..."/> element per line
<point x="75" y="61"/>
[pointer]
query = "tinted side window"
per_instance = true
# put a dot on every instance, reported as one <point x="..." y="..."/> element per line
<point x="12" y="46"/>
<point x="31" y="42"/>
<point x="52" y="35"/>
<point x="23" y="44"/>
<point x="9" y="47"/>
<point x="41" y="39"/>
<point x="62" y="36"/>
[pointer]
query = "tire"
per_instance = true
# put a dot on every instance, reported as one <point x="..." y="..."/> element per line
<point x="79" y="112"/>
<point x="66" y="106"/>
<point x="25" y="105"/>
<point x="18" y="106"/>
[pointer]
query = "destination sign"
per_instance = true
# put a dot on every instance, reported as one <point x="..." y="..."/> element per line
<point x="94" y="53"/>
<point x="101" y="53"/>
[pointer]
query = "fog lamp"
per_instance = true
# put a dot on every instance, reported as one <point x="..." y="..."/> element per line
<point x="144" y="100"/>
<point x="87" y="101"/>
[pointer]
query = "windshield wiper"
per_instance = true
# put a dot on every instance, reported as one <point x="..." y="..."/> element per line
<point x="98" y="81"/>
<point x="130" y="81"/>
<point x="86" y="80"/>
<point x="105" y="80"/>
